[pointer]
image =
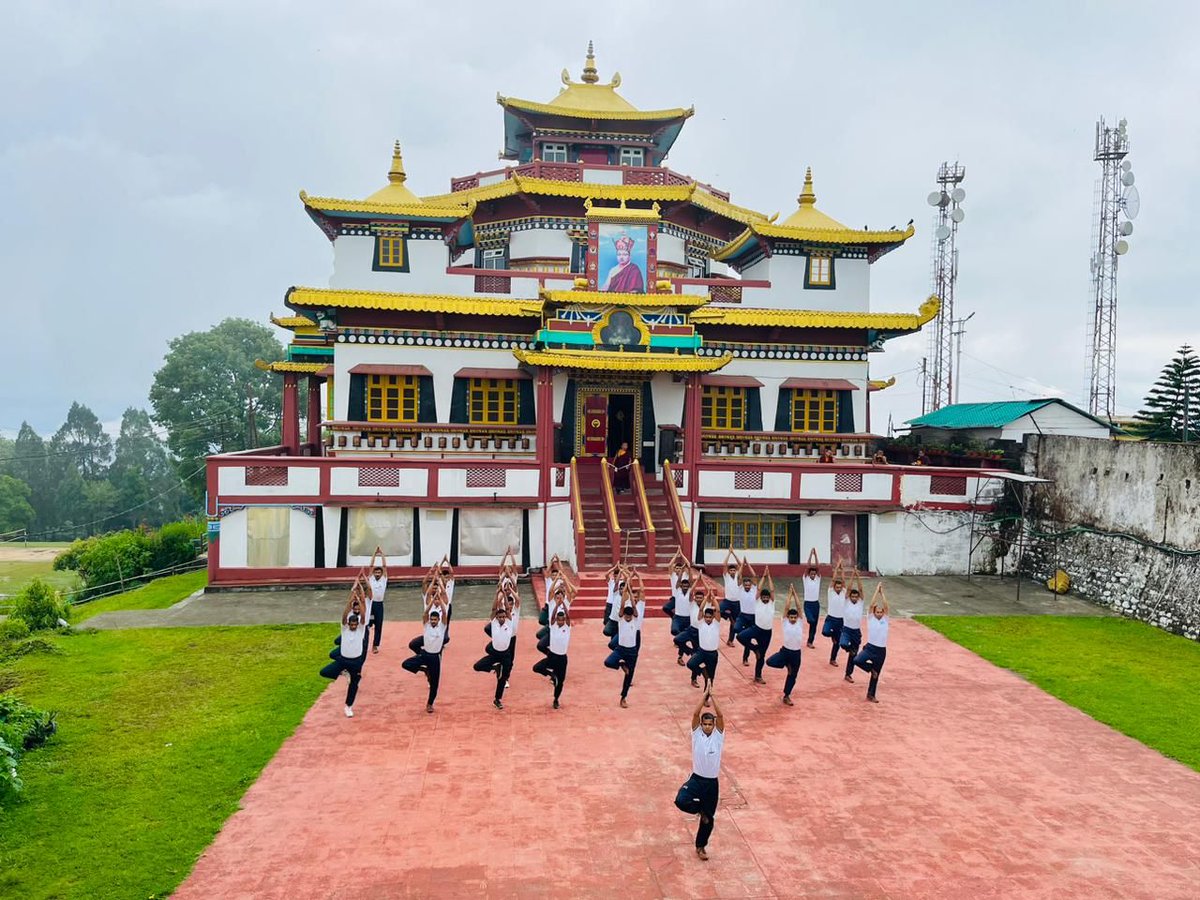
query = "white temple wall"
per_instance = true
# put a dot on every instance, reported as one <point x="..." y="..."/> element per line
<point x="539" y="242"/>
<point x="773" y="372"/>
<point x="671" y="249"/>
<point x="353" y="257"/>
<point x="852" y="280"/>
<point x="234" y="541"/>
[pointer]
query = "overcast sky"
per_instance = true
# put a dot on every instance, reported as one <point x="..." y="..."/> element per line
<point x="151" y="154"/>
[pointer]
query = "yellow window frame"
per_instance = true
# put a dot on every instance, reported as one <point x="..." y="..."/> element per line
<point x="820" y="270"/>
<point x="814" y="410"/>
<point x="723" y="408"/>
<point x="492" y="401"/>
<point x="392" y="398"/>
<point x="745" y="531"/>
<point x="391" y="251"/>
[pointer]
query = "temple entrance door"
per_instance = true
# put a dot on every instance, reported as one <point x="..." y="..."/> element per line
<point x="620" y="424"/>
<point x="842" y="532"/>
<point x="595" y="425"/>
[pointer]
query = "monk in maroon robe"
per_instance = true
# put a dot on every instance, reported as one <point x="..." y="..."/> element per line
<point x="621" y="464"/>
<point x="625" y="277"/>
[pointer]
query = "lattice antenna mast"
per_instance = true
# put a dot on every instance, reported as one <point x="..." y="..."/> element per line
<point x="947" y="200"/>
<point x="1116" y="203"/>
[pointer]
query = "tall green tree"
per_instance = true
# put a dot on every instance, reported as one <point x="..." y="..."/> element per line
<point x="31" y="464"/>
<point x="1172" y="408"/>
<point x="82" y="442"/>
<point x="15" y="510"/>
<point x="211" y="397"/>
<point x="143" y="475"/>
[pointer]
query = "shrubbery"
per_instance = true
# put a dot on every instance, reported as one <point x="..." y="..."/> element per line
<point x="37" y="606"/>
<point x="21" y="728"/>
<point x="123" y="558"/>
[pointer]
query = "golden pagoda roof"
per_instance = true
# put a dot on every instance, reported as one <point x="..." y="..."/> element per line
<point x="810" y="225"/>
<point x="818" y="318"/>
<point x="394" y="199"/>
<point x="588" y="99"/>
<point x="616" y="361"/>
<point x="605" y="298"/>
<point x="485" y="306"/>
<point x="287" y="366"/>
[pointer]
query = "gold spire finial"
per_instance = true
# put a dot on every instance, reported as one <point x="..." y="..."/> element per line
<point x="807" y="197"/>
<point x="396" y="172"/>
<point x="590" y="76"/>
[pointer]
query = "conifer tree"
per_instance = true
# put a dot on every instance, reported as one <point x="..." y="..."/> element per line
<point x="1172" y="408"/>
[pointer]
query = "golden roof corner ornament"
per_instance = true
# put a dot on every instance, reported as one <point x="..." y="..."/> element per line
<point x="616" y="80"/>
<point x="566" y="78"/>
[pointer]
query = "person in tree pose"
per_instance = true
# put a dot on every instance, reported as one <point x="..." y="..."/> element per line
<point x="676" y="567"/>
<point x="747" y="600"/>
<point x="874" y="654"/>
<point x="502" y="631"/>
<point x="708" y="638"/>
<point x="554" y="664"/>
<point x="812" y="595"/>
<point x="834" y="610"/>
<point x="689" y="596"/>
<point x="351" y="650"/>
<point x="427" y="657"/>
<point x="731" y="605"/>
<point x="852" y="624"/>
<point x="788" y="656"/>
<point x="756" y="637"/>
<point x="627" y="641"/>
<point x="702" y="791"/>
<point x="377" y="585"/>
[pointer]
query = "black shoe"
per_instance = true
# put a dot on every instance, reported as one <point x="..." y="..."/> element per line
<point x="556" y="704"/>
<point x="497" y="704"/>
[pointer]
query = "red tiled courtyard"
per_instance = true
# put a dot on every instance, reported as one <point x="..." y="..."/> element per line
<point x="964" y="782"/>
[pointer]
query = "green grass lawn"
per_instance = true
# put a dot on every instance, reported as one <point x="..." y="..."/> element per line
<point x="161" y="731"/>
<point x="1131" y="676"/>
<point x="15" y="575"/>
<point x="158" y="594"/>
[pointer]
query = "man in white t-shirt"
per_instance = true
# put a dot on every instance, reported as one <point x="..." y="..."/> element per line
<point x="429" y="656"/>
<point x="377" y="583"/>
<point x="701" y="792"/>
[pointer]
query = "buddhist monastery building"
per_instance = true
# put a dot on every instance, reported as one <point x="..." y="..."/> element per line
<point x="477" y="355"/>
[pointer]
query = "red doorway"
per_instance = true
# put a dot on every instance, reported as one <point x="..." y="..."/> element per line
<point x="842" y="534"/>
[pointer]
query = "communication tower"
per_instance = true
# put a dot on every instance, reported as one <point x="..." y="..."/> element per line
<point x="945" y="331"/>
<point x="1116" y="205"/>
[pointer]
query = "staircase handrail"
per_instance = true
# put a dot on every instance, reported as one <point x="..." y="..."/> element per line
<point x="610" y="507"/>
<point x="644" y="513"/>
<point x="683" y="530"/>
<point x="577" y="514"/>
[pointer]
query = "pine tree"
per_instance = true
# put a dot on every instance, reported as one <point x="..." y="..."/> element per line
<point x="1173" y="401"/>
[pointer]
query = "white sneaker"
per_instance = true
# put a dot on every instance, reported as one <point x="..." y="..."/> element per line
<point x="349" y="712"/>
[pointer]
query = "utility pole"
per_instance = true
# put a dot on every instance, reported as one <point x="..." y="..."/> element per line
<point x="924" y="382"/>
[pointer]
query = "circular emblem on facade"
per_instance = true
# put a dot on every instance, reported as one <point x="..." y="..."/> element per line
<point x="595" y="423"/>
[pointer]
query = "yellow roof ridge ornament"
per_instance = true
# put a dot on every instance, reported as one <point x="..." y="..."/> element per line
<point x="395" y="192"/>
<point x="807" y="197"/>
<point x="590" y="75"/>
<point x="396" y="172"/>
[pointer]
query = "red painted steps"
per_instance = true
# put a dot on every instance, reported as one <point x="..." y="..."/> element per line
<point x="593" y="594"/>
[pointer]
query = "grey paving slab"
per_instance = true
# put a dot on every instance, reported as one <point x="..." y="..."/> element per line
<point x="908" y="595"/>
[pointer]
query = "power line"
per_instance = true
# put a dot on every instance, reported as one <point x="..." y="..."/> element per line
<point x="196" y="426"/>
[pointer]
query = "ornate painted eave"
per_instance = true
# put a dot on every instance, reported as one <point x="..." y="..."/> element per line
<point x="291" y="368"/>
<point x="523" y="184"/>
<point x="423" y="210"/>
<point x="619" y="115"/>
<point x="610" y="361"/>
<point x="876" y="384"/>
<point x="891" y="323"/>
<point x="295" y="322"/>
<point x="641" y="301"/>
<point x="479" y="306"/>
<point x="831" y="236"/>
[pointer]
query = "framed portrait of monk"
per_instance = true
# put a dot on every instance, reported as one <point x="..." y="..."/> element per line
<point x="623" y="258"/>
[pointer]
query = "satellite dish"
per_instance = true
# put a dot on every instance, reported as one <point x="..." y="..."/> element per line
<point x="935" y="199"/>
<point x="1131" y="200"/>
<point x="958" y="215"/>
<point x="1122" y="248"/>
<point x="1127" y="179"/>
<point x="1126" y="228"/>
<point x="958" y="195"/>
<point x="1126" y="166"/>
<point x="943" y="232"/>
